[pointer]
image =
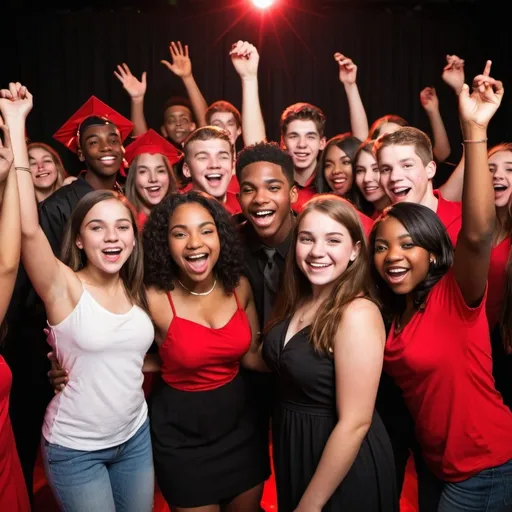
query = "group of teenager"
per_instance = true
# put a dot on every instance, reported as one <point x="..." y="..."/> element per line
<point x="318" y="297"/>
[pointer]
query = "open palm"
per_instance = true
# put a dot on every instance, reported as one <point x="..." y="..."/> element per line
<point x="134" y="87"/>
<point x="181" y="64"/>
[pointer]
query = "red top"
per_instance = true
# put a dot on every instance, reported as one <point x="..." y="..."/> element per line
<point x="13" y="492"/>
<point x="232" y="205"/>
<point x="442" y="362"/>
<point x="366" y="222"/>
<point x="234" y="186"/>
<point x="450" y="213"/>
<point x="198" y="358"/>
<point x="496" y="280"/>
<point x="305" y="193"/>
<point x="141" y="219"/>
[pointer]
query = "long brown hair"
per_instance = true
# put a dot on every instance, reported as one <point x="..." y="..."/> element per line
<point x="132" y="271"/>
<point x="130" y="189"/>
<point x="505" y="227"/>
<point x="353" y="283"/>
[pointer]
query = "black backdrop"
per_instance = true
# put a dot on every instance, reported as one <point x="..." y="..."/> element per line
<point x="66" y="56"/>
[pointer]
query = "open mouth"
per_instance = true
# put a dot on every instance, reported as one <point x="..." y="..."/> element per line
<point x="153" y="191"/>
<point x="43" y="175"/>
<point x="214" y="179"/>
<point x="108" y="160"/>
<point x="315" y="266"/>
<point x="401" y="191"/>
<point x="371" y="189"/>
<point x="197" y="263"/>
<point x="395" y="275"/>
<point x="500" y="188"/>
<point x="263" y="218"/>
<point x="112" y="254"/>
<point x="301" y="156"/>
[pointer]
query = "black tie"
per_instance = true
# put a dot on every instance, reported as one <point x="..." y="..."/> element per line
<point x="270" y="282"/>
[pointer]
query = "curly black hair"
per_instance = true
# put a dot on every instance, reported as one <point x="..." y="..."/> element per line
<point x="265" y="152"/>
<point x="428" y="232"/>
<point x="160" y="270"/>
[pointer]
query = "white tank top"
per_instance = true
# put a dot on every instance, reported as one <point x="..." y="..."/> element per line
<point x="103" y="403"/>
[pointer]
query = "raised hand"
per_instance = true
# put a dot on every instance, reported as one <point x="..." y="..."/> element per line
<point x="181" y="64"/>
<point x="245" y="59"/>
<point x="347" y="69"/>
<point x="479" y="106"/>
<point x="429" y="99"/>
<point x="6" y="154"/>
<point x="453" y="73"/>
<point x="134" y="87"/>
<point x="15" y="102"/>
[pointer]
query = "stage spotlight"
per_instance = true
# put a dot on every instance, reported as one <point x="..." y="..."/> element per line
<point x="262" y="4"/>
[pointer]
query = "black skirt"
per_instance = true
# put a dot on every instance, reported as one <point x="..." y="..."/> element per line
<point x="206" y="445"/>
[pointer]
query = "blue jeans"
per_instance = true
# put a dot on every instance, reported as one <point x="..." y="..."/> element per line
<point x="488" y="491"/>
<point x="118" y="479"/>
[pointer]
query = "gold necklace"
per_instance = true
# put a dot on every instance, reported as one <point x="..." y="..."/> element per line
<point x="199" y="294"/>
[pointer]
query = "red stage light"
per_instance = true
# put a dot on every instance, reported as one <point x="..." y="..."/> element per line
<point x="262" y="4"/>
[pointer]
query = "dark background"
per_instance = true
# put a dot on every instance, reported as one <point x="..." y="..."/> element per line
<point x="67" y="51"/>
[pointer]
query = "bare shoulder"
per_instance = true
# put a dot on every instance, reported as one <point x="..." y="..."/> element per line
<point x="158" y="301"/>
<point x="362" y="319"/>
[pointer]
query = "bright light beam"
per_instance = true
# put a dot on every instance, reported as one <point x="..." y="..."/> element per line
<point x="262" y="4"/>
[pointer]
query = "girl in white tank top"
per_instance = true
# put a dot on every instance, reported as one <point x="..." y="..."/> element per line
<point x="96" y="444"/>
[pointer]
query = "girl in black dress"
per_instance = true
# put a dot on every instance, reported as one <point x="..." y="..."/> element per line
<point x="326" y="344"/>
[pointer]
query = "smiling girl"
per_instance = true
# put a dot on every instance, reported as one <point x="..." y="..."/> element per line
<point x="331" y="451"/>
<point x="206" y="445"/>
<point x="438" y="349"/>
<point x="47" y="170"/>
<point x="96" y="444"/>
<point x="150" y="176"/>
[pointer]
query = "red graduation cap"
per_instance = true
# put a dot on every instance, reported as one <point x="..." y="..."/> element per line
<point x="152" y="143"/>
<point x="68" y="134"/>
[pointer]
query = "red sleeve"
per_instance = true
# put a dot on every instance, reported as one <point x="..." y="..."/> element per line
<point x="448" y="297"/>
<point x="366" y="222"/>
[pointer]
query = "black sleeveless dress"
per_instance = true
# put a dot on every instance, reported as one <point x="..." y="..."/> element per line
<point x="303" y="420"/>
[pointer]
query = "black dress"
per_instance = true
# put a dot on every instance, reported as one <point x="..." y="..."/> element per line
<point x="304" y="418"/>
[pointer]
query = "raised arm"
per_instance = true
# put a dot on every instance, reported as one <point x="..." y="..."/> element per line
<point x="358" y="356"/>
<point x="181" y="66"/>
<point x="46" y="272"/>
<point x="10" y="226"/>
<point x="245" y="59"/>
<point x="430" y="102"/>
<point x="348" y="76"/>
<point x="473" y="247"/>
<point x="137" y="90"/>
<point x="453" y="73"/>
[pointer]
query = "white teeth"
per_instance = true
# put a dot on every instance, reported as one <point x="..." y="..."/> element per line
<point x="263" y="213"/>
<point x="340" y="180"/>
<point x="214" y="176"/>
<point x="107" y="158"/>
<point x="397" y="270"/>
<point x="196" y="256"/>
<point x="153" y="189"/>
<point x="43" y="175"/>
<point x="371" y="189"/>
<point x="111" y="251"/>
<point x="319" y="265"/>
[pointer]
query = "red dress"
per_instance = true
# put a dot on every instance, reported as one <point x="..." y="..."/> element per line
<point x="13" y="492"/>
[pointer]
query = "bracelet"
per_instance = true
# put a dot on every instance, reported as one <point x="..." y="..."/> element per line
<point x="474" y="141"/>
<point x="26" y="169"/>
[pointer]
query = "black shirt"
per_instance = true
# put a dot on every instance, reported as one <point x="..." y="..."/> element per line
<point x="255" y="260"/>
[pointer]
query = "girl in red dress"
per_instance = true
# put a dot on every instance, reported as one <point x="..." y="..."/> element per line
<point x="13" y="492"/>
<point x="438" y="350"/>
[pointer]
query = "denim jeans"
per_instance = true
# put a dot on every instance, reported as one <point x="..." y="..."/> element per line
<point x="118" y="479"/>
<point x="488" y="491"/>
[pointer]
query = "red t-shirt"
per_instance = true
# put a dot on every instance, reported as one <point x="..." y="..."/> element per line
<point x="496" y="280"/>
<point x="442" y="362"/>
<point x="234" y="186"/>
<point x="232" y="205"/>
<point x="305" y="193"/>
<point x="450" y="213"/>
